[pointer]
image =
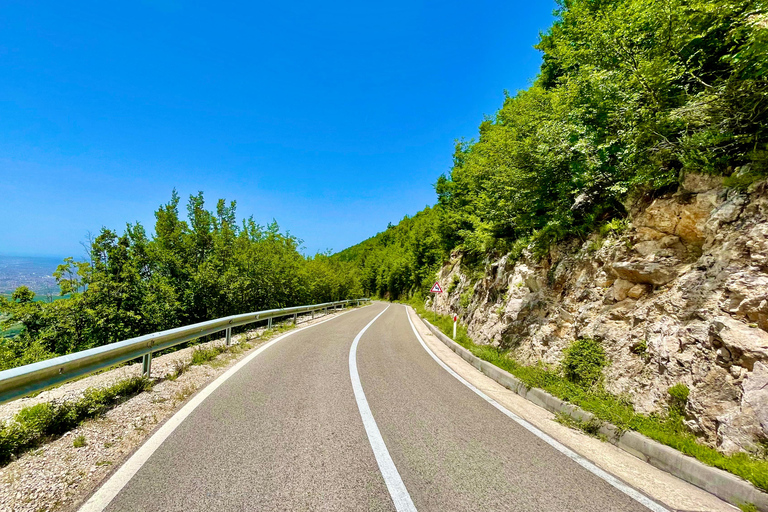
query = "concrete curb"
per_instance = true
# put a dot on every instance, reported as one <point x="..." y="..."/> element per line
<point x="722" y="484"/>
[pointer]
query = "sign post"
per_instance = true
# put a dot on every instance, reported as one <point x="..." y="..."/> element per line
<point x="455" y="317"/>
<point x="435" y="289"/>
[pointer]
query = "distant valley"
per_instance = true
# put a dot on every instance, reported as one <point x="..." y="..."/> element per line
<point x="34" y="272"/>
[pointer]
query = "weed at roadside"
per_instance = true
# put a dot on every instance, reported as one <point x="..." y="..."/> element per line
<point x="202" y="355"/>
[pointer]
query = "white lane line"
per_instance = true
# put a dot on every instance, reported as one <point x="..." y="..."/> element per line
<point x="395" y="485"/>
<point x="107" y="492"/>
<point x="581" y="461"/>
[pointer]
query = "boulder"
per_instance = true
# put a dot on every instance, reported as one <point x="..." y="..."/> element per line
<point x="758" y="244"/>
<point x="649" y="272"/>
<point x="698" y="183"/>
<point x="662" y="215"/>
<point x="639" y="290"/>
<point x="744" y="344"/>
<point x="685" y="220"/>
<point x="620" y="289"/>
<point x="693" y="218"/>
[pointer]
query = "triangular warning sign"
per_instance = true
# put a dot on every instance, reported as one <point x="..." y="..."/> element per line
<point x="436" y="288"/>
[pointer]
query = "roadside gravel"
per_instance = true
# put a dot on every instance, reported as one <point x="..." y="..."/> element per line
<point x="58" y="477"/>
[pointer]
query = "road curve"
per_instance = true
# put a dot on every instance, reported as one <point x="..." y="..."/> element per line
<point x="285" y="432"/>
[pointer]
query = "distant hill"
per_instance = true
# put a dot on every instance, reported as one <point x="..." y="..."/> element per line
<point x="34" y="272"/>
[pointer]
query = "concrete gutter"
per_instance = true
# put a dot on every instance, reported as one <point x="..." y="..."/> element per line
<point x="722" y="484"/>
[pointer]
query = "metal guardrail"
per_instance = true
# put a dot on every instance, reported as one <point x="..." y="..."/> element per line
<point x="20" y="381"/>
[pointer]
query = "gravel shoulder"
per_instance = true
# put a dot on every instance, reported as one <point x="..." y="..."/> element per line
<point x="58" y="477"/>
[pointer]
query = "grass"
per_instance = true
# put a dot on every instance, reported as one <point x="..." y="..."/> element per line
<point x="79" y="441"/>
<point x="202" y="355"/>
<point x="666" y="428"/>
<point x="179" y="367"/>
<point x="33" y="426"/>
<point x="591" y="427"/>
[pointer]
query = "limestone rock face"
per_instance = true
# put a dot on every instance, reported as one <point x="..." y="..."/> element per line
<point x="688" y="282"/>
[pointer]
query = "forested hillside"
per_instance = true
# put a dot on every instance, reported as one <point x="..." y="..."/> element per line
<point x="205" y="267"/>
<point x="632" y="96"/>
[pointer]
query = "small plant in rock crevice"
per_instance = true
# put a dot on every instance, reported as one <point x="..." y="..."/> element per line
<point x="465" y="299"/>
<point x="454" y="284"/>
<point x="678" y="398"/>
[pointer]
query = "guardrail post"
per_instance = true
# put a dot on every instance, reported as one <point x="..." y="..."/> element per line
<point x="312" y="313"/>
<point x="146" y="365"/>
<point x="269" y="323"/>
<point x="294" y="318"/>
<point x="229" y="335"/>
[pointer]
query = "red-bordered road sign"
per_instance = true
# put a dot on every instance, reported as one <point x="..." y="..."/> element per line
<point x="436" y="288"/>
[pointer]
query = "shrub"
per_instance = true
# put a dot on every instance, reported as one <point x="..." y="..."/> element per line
<point x="454" y="284"/>
<point x="79" y="442"/>
<point x="583" y="362"/>
<point x="465" y="299"/>
<point x="678" y="398"/>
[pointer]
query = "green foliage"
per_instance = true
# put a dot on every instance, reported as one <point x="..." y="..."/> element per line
<point x="583" y="362"/>
<point x="34" y="425"/>
<point x="631" y="94"/>
<point x="614" y="227"/>
<point x="454" y="284"/>
<point x="79" y="441"/>
<point x="678" y="398"/>
<point x="466" y="298"/>
<point x="669" y="430"/>
<point x="202" y="355"/>
<point x="192" y="270"/>
<point x="401" y="261"/>
<point x="640" y="348"/>
<point x="23" y="295"/>
<point x="748" y="507"/>
<point x="743" y="179"/>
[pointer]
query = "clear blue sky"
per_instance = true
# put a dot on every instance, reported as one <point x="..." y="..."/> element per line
<point x="334" y="118"/>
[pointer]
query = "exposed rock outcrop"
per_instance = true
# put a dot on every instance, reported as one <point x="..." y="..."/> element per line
<point x="681" y="296"/>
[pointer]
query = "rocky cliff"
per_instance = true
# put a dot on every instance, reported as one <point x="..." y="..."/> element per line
<point x="679" y="296"/>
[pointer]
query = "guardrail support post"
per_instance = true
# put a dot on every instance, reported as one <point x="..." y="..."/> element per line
<point x="294" y="318"/>
<point x="269" y="323"/>
<point x="146" y="365"/>
<point x="312" y="313"/>
<point x="229" y="336"/>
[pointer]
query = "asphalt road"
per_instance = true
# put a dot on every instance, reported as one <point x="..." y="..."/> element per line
<point x="285" y="433"/>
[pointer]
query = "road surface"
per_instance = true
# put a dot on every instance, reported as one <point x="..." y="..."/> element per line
<point x="296" y="429"/>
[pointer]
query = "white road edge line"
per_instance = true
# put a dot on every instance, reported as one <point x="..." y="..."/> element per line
<point x="581" y="461"/>
<point x="395" y="485"/>
<point x="107" y="492"/>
